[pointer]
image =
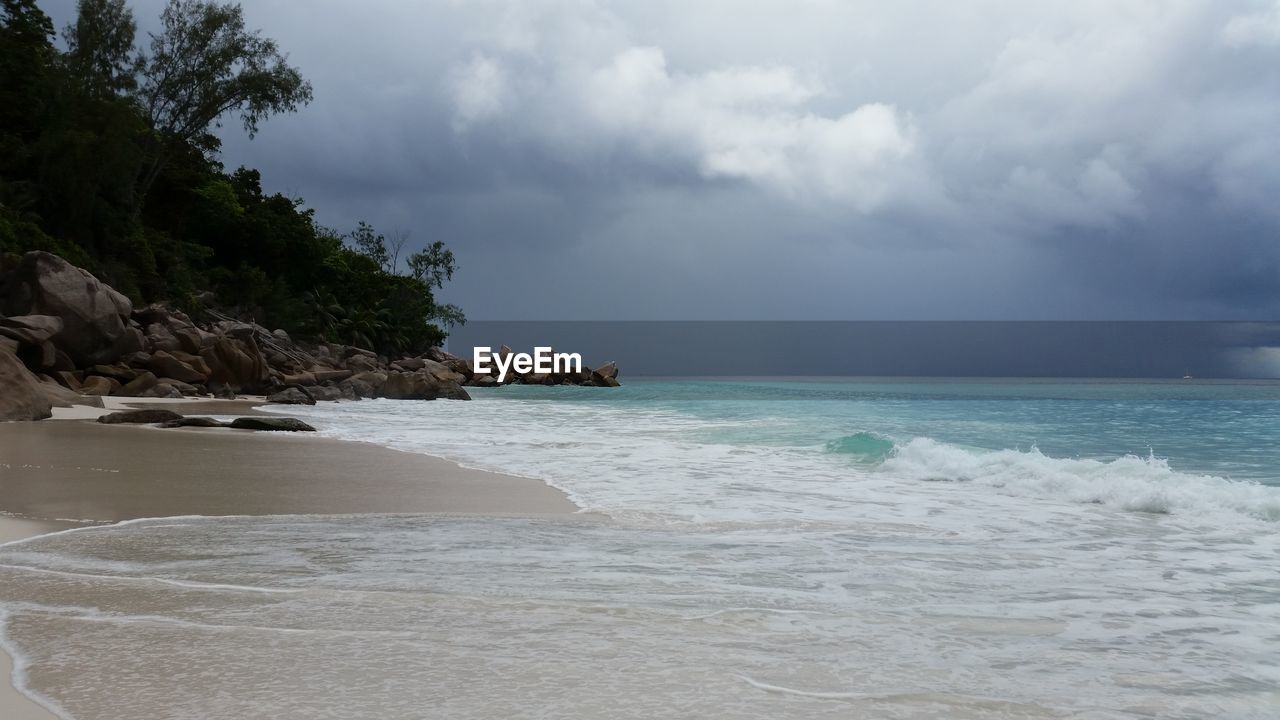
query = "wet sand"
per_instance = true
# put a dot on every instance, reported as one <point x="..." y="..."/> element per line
<point x="72" y="471"/>
<point x="13" y="704"/>
<point x="85" y="471"/>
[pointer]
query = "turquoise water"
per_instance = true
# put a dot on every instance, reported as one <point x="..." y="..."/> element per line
<point x="818" y="548"/>
<point x="1225" y="428"/>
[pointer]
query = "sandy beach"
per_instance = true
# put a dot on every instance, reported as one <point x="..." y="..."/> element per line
<point x="73" y="471"/>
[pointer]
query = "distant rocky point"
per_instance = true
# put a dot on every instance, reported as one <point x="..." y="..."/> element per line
<point x="66" y="338"/>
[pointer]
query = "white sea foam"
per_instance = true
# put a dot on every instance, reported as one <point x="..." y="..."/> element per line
<point x="19" y="678"/>
<point x="751" y="573"/>
<point x="819" y="694"/>
<point x="664" y="466"/>
<point x="437" y="617"/>
<point x="1127" y="483"/>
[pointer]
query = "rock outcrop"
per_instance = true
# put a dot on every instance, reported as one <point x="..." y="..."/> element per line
<point x="95" y="317"/>
<point x="166" y="365"/>
<point x="604" y="376"/>
<point x="291" y="396"/>
<point x="237" y="363"/>
<point x="100" y="386"/>
<point x="85" y="340"/>
<point x="21" y="397"/>
<point x="139" y="385"/>
<point x="60" y="396"/>
<point x="327" y="393"/>
<point x="31" y="329"/>
<point x="420" y="385"/>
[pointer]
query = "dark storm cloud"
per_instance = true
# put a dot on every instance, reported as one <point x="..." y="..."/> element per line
<point x="798" y="160"/>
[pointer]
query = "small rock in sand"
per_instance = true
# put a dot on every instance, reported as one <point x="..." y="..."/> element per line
<point x="193" y="422"/>
<point x="271" y="423"/>
<point x="146" y="416"/>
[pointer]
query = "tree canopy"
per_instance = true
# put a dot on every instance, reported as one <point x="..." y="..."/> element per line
<point x="100" y="49"/>
<point x="108" y="157"/>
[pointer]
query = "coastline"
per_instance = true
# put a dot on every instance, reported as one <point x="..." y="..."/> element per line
<point x="71" y="471"/>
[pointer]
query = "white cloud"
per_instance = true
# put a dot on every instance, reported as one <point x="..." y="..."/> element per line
<point x="748" y="123"/>
<point x="1044" y="116"/>
<point x="478" y="89"/>
<point x="1254" y="29"/>
<point x="1072" y="142"/>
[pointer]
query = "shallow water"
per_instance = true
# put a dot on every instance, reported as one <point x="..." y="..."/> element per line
<point x="808" y="550"/>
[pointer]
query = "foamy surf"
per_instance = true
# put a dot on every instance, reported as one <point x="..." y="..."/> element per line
<point x="667" y="462"/>
<point x="840" y="553"/>
<point x="817" y="694"/>
<point x="1141" y="484"/>
<point x="19" y="677"/>
<point x="442" y="617"/>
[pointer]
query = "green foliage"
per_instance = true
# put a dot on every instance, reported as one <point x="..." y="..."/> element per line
<point x="87" y="135"/>
<point x="100" y="50"/>
<point x="203" y="65"/>
<point x="26" y="59"/>
<point x="372" y="245"/>
<point x="19" y="235"/>
<point x="87" y="158"/>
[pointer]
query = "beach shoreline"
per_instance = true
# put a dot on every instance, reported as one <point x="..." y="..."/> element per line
<point x="14" y="704"/>
<point x="71" y="471"/>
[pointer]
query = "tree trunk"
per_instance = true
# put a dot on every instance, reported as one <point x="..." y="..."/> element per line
<point x="151" y="169"/>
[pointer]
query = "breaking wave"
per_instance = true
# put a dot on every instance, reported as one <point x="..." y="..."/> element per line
<point x="865" y="445"/>
<point x="1127" y="483"/>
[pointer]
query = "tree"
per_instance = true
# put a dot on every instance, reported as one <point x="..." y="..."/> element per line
<point x="90" y="134"/>
<point x="449" y="315"/>
<point x="26" y="52"/>
<point x="399" y="238"/>
<point x="432" y="265"/>
<point x="203" y="65"/>
<point x="25" y="18"/>
<point x="100" y="51"/>
<point x="26" y="36"/>
<point x="88" y="152"/>
<point x="372" y="245"/>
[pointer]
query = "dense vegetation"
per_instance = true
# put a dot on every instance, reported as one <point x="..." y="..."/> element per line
<point x="108" y="158"/>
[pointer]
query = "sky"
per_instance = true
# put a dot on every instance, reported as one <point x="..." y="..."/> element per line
<point x="796" y="159"/>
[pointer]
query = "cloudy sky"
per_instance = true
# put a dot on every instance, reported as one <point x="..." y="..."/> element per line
<point x="797" y="159"/>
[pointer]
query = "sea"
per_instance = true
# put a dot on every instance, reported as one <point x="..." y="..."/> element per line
<point x="747" y="548"/>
